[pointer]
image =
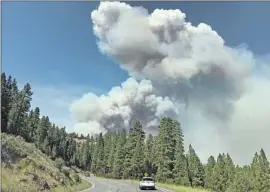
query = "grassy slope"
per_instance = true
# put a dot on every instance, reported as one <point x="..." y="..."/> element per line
<point x="25" y="168"/>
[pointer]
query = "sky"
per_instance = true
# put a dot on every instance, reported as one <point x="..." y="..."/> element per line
<point x="72" y="69"/>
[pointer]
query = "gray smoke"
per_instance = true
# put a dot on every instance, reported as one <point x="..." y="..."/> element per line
<point x="121" y="107"/>
<point x="183" y="61"/>
<point x="188" y="68"/>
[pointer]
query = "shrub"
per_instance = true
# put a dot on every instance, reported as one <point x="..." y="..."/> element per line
<point x="87" y="174"/>
<point x="76" y="178"/>
<point x="66" y="172"/>
<point x="59" y="163"/>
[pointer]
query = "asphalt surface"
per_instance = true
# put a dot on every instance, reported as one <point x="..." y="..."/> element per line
<point x="111" y="185"/>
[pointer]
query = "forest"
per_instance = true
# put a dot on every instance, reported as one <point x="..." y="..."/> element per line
<point x="129" y="154"/>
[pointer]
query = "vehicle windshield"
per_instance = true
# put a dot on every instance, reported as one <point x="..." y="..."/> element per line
<point x="147" y="179"/>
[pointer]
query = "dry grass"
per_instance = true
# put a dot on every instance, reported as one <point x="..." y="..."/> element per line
<point x="24" y="167"/>
<point x="81" y="186"/>
<point x="178" y="188"/>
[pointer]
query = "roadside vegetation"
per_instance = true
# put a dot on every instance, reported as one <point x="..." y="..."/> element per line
<point x="134" y="154"/>
<point x="42" y="156"/>
<point x="25" y="168"/>
<point x="179" y="188"/>
<point x="118" y="155"/>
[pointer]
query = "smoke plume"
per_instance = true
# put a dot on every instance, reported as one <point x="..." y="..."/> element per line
<point x="185" y="68"/>
<point x="185" y="62"/>
<point x="121" y="107"/>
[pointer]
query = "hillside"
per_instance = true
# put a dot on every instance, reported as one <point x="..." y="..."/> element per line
<point x="25" y="168"/>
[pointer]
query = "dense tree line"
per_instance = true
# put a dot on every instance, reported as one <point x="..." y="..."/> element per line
<point x="129" y="154"/>
<point x="18" y="118"/>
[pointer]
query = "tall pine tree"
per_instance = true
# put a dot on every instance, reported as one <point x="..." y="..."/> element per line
<point x="196" y="170"/>
<point x="180" y="169"/>
<point x="209" y="171"/>
<point x="119" y="158"/>
<point x="135" y="133"/>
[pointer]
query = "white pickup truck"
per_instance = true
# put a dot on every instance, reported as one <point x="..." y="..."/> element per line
<point x="147" y="183"/>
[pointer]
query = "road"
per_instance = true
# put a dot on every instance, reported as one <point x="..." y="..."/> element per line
<point x="111" y="185"/>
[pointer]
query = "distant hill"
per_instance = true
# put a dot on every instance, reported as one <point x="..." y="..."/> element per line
<point x="27" y="169"/>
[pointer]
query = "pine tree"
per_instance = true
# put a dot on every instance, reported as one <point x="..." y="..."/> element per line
<point x="62" y="137"/>
<point x="165" y="150"/>
<point x="6" y="100"/>
<point x="69" y="150"/>
<point x="112" y="152"/>
<point x="28" y="120"/>
<point x="107" y="147"/>
<point x="219" y="175"/>
<point x="100" y="155"/>
<point x="209" y="171"/>
<point x="42" y="132"/>
<point x="19" y="108"/>
<point x="230" y="170"/>
<point x="135" y="133"/>
<point x="149" y="155"/>
<point x="137" y="160"/>
<point x="86" y="158"/>
<point x="33" y="127"/>
<point x="242" y="181"/>
<point x="54" y="152"/>
<point x="119" y="156"/>
<point x="180" y="170"/>
<point x="94" y="157"/>
<point x="45" y="146"/>
<point x="196" y="170"/>
<point x="261" y="172"/>
<point x="78" y="156"/>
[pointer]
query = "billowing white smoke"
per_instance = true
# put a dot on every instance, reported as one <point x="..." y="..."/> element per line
<point x="184" y="61"/>
<point x="185" y="65"/>
<point x="122" y="105"/>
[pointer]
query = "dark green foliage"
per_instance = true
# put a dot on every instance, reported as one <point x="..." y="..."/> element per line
<point x="196" y="171"/>
<point x="209" y="171"/>
<point x="100" y="168"/>
<point x="107" y="146"/>
<point x="95" y="157"/>
<point x="131" y="156"/>
<point x="149" y="155"/>
<point x="180" y="171"/>
<point x="59" y="163"/>
<point x="86" y="157"/>
<point x="243" y="181"/>
<point x="219" y="174"/>
<point x="112" y="151"/>
<point x="136" y="134"/>
<point x="17" y="118"/>
<point x="18" y="112"/>
<point x="66" y="172"/>
<point x="6" y="100"/>
<point x="229" y="169"/>
<point x="137" y="161"/>
<point x="166" y="142"/>
<point x="261" y="172"/>
<point x="76" y="178"/>
<point x="118" y="169"/>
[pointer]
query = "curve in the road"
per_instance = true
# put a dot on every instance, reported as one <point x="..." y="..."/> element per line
<point x="92" y="183"/>
<point x="111" y="185"/>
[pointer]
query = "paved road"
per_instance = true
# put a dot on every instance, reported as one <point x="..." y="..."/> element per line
<point x="110" y="185"/>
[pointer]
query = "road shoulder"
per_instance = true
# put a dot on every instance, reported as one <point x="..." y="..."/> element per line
<point x="88" y="180"/>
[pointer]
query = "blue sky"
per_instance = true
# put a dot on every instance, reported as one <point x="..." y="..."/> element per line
<point x="53" y="42"/>
<point x="52" y="46"/>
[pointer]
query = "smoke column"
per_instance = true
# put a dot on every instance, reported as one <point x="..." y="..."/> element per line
<point x="183" y="67"/>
